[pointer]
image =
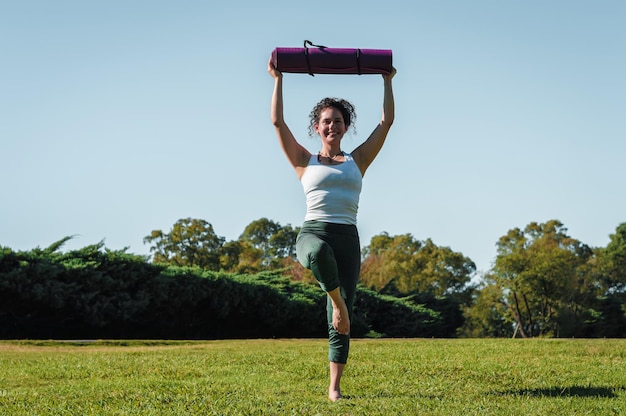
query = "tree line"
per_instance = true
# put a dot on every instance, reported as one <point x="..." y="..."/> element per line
<point x="543" y="281"/>
<point x="195" y="284"/>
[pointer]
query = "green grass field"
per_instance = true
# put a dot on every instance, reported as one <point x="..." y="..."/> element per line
<point x="275" y="377"/>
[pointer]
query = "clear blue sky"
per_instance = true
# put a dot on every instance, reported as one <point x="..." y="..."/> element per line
<point x="120" y="117"/>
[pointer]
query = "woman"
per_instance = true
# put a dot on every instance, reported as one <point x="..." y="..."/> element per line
<point x="328" y="242"/>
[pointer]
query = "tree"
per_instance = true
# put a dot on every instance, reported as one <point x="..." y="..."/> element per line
<point x="401" y="265"/>
<point x="612" y="262"/>
<point x="610" y="271"/>
<point x="190" y="242"/>
<point x="241" y="257"/>
<point x="389" y="263"/>
<point x="422" y="273"/>
<point x="543" y="273"/>
<point x="272" y="240"/>
<point x="486" y="317"/>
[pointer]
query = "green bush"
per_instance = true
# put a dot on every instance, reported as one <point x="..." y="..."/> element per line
<point x="395" y="317"/>
<point x="98" y="293"/>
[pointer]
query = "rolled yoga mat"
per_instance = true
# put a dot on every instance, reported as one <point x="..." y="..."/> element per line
<point x="323" y="60"/>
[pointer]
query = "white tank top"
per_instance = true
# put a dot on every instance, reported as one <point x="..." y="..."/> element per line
<point x="332" y="191"/>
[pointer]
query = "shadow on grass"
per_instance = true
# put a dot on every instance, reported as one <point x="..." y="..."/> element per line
<point x="572" y="391"/>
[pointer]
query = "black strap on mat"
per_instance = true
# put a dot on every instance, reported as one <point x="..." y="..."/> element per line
<point x="306" y="54"/>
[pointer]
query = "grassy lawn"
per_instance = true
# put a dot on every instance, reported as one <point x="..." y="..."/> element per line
<point x="248" y="377"/>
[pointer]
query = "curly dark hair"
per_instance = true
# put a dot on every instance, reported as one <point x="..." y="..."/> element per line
<point x="346" y="108"/>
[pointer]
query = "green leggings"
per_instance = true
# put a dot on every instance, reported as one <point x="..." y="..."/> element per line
<point x="333" y="253"/>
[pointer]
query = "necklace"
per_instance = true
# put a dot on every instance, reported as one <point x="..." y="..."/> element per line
<point x="319" y="156"/>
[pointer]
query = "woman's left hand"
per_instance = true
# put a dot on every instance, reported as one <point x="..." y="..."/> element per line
<point x="390" y="75"/>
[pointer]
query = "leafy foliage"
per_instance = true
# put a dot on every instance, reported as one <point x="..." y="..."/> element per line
<point x="264" y="245"/>
<point x="401" y="265"/>
<point x="430" y="275"/>
<point x="274" y="241"/>
<point x="98" y="293"/>
<point x="543" y="283"/>
<point x="190" y="242"/>
<point x="612" y="263"/>
<point x="549" y="283"/>
<point x="486" y="317"/>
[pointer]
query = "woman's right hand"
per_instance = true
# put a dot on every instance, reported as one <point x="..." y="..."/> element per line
<point x="275" y="73"/>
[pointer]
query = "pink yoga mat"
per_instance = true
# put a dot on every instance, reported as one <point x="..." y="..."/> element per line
<point x="322" y="60"/>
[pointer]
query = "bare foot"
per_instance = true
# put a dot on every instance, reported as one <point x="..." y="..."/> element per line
<point x="341" y="320"/>
<point x="334" y="389"/>
<point x="334" y="395"/>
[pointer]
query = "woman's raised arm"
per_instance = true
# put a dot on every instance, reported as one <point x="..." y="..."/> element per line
<point x="297" y="155"/>
<point x="365" y="154"/>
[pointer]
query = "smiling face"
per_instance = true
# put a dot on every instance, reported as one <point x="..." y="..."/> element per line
<point x="331" y="126"/>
